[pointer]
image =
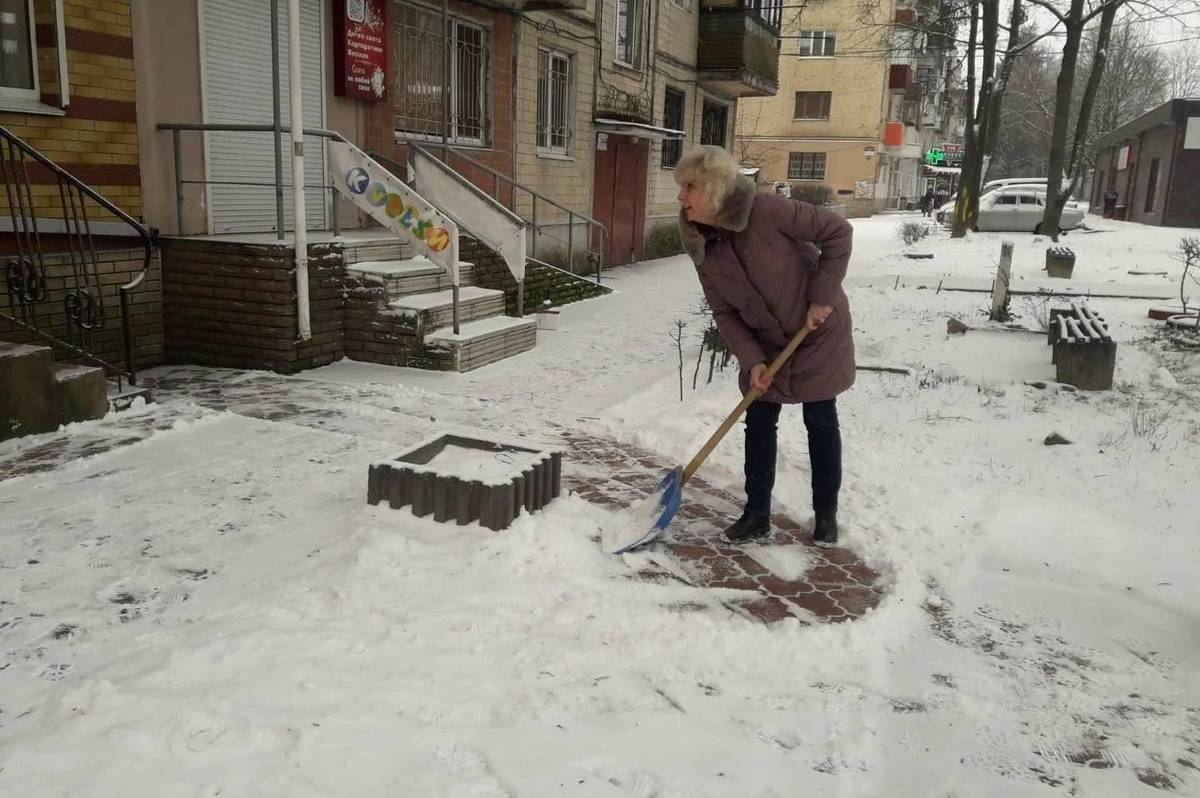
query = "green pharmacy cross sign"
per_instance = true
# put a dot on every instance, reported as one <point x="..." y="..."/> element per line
<point x="935" y="157"/>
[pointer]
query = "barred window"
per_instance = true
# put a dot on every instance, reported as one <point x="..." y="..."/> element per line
<point x="813" y="104"/>
<point x="806" y="166"/>
<point x="817" y="43"/>
<point x="674" y="102"/>
<point x="417" y="47"/>
<point x="714" y="123"/>
<point x="554" y="102"/>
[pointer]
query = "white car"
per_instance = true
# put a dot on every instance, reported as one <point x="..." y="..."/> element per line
<point x="1013" y="203"/>
<point x="1020" y="209"/>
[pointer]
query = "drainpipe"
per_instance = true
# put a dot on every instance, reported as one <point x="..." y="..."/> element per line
<point x="277" y="118"/>
<point x="300" y="219"/>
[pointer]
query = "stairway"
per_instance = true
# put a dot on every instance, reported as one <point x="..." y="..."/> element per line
<point x="38" y="395"/>
<point x="401" y="313"/>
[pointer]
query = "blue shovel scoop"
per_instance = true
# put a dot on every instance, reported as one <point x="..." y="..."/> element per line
<point x="660" y="507"/>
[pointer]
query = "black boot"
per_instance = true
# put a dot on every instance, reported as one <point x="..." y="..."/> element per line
<point x="826" y="531"/>
<point x="749" y="527"/>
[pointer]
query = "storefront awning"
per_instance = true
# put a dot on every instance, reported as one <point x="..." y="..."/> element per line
<point x="605" y="125"/>
<point x="943" y="170"/>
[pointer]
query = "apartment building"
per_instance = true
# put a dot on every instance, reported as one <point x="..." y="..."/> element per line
<point x="864" y="93"/>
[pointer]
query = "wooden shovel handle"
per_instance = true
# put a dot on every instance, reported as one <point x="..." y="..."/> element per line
<point x="747" y="400"/>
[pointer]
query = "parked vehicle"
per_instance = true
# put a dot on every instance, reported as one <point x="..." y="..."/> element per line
<point x="944" y="212"/>
<point x="1020" y="209"/>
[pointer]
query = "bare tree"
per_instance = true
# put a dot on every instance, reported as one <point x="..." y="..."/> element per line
<point x="1066" y="165"/>
<point x="749" y="149"/>
<point x="1182" y="76"/>
<point x="1027" y="116"/>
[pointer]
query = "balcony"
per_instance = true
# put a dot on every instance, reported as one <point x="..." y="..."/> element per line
<point x="900" y="77"/>
<point x="738" y="53"/>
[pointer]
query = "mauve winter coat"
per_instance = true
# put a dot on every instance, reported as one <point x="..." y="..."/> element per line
<point x="766" y="260"/>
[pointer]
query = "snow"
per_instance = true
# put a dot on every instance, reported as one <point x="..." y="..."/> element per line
<point x="437" y="299"/>
<point x="478" y="329"/>
<point x="211" y="608"/>
<point x="489" y="467"/>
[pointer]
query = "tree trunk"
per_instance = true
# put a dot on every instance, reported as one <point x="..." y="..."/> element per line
<point x="1062" y="119"/>
<point x="968" y="183"/>
<point x="1079" y="145"/>
<point x="985" y="30"/>
<point x="1016" y="19"/>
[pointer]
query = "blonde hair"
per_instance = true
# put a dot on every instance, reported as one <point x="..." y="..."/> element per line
<point x="711" y="169"/>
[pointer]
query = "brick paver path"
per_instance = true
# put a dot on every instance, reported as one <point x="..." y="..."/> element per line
<point x="838" y="586"/>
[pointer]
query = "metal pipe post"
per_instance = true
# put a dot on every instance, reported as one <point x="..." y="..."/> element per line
<point x="535" y="226"/>
<point x="278" y="120"/>
<point x="178" y="181"/>
<point x="570" y="242"/>
<point x="300" y="218"/>
<point x="454" y="306"/>
<point x="446" y="84"/>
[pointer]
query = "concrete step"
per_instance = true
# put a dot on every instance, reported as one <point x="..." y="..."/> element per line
<point x="436" y="309"/>
<point x="80" y="392"/>
<point x="486" y="341"/>
<point x="27" y="402"/>
<point x="417" y="275"/>
<point x="357" y="250"/>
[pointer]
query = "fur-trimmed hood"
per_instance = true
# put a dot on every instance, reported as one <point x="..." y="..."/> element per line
<point x="733" y="215"/>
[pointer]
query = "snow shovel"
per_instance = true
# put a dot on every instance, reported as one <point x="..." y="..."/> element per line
<point x="660" y="507"/>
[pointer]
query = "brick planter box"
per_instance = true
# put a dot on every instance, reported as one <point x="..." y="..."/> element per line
<point x="468" y="479"/>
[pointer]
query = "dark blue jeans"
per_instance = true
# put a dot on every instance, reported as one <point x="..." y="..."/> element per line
<point x="824" y="454"/>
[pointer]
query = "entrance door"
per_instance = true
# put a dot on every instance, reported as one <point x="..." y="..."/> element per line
<point x="238" y="90"/>
<point x="619" y="199"/>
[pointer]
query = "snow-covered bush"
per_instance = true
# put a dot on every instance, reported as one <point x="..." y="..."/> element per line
<point x="912" y="232"/>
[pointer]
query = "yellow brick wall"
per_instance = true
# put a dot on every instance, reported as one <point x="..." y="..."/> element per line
<point x="569" y="180"/>
<point x="857" y="78"/>
<point x="100" y="16"/>
<point x="679" y="30"/>
<point x="74" y="141"/>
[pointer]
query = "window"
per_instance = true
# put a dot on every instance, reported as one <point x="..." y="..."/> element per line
<point x="674" y="102"/>
<point x="813" y="104"/>
<point x="18" y="65"/>
<point x="769" y="11"/>
<point x="419" y="56"/>
<point x="806" y="166"/>
<point x="554" y="102"/>
<point x="1006" y="199"/>
<point x="817" y="43"/>
<point x="714" y="123"/>
<point x="686" y="5"/>
<point x="1029" y="199"/>
<point x="629" y="32"/>
<point x="925" y="79"/>
<point x="1151" y="186"/>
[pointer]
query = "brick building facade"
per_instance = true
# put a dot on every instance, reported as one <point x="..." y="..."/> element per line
<point x="1147" y="170"/>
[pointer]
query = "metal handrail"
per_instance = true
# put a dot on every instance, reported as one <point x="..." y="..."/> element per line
<point x="175" y="128"/>
<point x="537" y="196"/>
<point x="64" y="176"/>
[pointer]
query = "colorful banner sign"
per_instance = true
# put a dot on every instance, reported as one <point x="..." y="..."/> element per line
<point x="393" y="204"/>
<point x="360" y="49"/>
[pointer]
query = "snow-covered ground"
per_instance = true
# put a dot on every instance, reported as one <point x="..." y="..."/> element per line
<point x="210" y="607"/>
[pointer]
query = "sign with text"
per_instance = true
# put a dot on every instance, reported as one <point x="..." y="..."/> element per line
<point x="360" y="49"/>
<point x="953" y="153"/>
<point x="396" y="206"/>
